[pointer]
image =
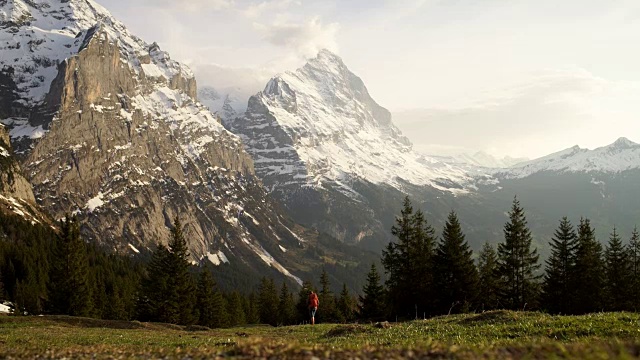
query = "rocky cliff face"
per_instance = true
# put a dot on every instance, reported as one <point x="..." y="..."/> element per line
<point x="121" y="141"/>
<point x="12" y="182"/>
<point x="108" y="127"/>
<point x="16" y="194"/>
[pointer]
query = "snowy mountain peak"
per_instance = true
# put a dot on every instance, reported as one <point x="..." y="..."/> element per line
<point x="37" y="36"/>
<point x="328" y="61"/>
<point x="319" y="124"/>
<point x="623" y="143"/>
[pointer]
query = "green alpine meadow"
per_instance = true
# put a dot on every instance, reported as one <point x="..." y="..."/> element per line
<point x="492" y="335"/>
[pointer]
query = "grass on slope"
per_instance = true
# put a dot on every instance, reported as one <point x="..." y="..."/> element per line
<point x="496" y="334"/>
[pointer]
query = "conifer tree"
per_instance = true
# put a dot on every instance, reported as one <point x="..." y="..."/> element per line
<point x="455" y="272"/>
<point x="153" y="303"/>
<point x="235" y="309"/>
<point x="518" y="263"/>
<point x="268" y="300"/>
<point x="396" y="284"/>
<point x="617" y="274"/>
<point x="209" y="301"/>
<point x="26" y="299"/>
<point x="634" y="264"/>
<point x="327" y="311"/>
<point x="408" y="262"/>
<point x="252" y="309"/>
<point x="372" y="305"/>
<point x="557" y="296"/>
<point x="286" y="306"/>
<point x="181" y="288"/>
<point x="420" y="261"/>
<point x="69" y="289"/>
<point x="346" y="304"/>
<point x="588" y="279"/>
<point x="488" y="278"/>
<point x="118" y="306"/>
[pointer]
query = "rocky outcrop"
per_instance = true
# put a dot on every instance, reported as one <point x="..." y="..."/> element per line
<point x="12" y="182"/>
<point x="16" y="194"/>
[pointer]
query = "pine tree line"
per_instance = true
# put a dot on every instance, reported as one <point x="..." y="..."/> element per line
<point x="429" y="276"/>
<point x="42" y="271"/>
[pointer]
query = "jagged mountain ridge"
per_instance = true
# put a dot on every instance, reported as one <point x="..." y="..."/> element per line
<point x="108" y="127"/>
<point x="620" y="156"/>
<point x="227" y="104"/>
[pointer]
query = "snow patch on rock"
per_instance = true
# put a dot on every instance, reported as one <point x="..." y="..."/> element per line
<point x="95" y="202"/>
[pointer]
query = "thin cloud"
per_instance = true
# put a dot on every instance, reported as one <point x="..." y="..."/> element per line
<point x="551" y="112"/>
<point x="306" y="38"/>
<point x="191" y="5"/>
<point x="257" y="10"/>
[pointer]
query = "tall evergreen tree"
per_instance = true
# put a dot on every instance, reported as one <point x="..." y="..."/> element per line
<point x="327" y="309"/>
<point x="153" y="302"/>
<point x="209" y="301"/>
<point x="488" y="278"/>
<point x="69" y="289"/>
<point x="408" y="262"/>
<point x="252" y="309"/>
<point x="517" y="262"/>
<point x="286" y="306"/>
<point x="372" y="305"/>
<point x="557" y="296"/>
<point x="396" y="284"/>
<point x="420" y="260"/>
<point x="235" y="309"/>
<point x="588" y="279"/>
<point x="617" y="275"/>
<point x="268" y="300"/>
<point x="346" y="304"/>
<point x="634" y="262"/>
<point x="168" y="291"/>
<point x="456" y="276"/>
<point x="181" y="288"/>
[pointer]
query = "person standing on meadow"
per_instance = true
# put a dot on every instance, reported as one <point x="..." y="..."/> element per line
<point x="313" y="303"/>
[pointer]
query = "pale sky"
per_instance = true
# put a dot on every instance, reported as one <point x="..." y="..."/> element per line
<point x="510" y="77"/>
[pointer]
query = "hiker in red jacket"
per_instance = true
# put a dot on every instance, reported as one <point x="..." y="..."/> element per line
<point x="313" y="306"/>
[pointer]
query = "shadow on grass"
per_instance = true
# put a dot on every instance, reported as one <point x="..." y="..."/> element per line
<point x="93" y="323"/>
<point x="83" y="322"/>
<point x="494" y="317"/>
<point x="345" y="330"/>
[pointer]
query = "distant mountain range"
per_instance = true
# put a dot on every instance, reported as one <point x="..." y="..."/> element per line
<point x="623" y="155"/>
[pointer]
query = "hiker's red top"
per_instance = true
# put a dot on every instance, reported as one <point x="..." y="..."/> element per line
<point x="313" y="300"/>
